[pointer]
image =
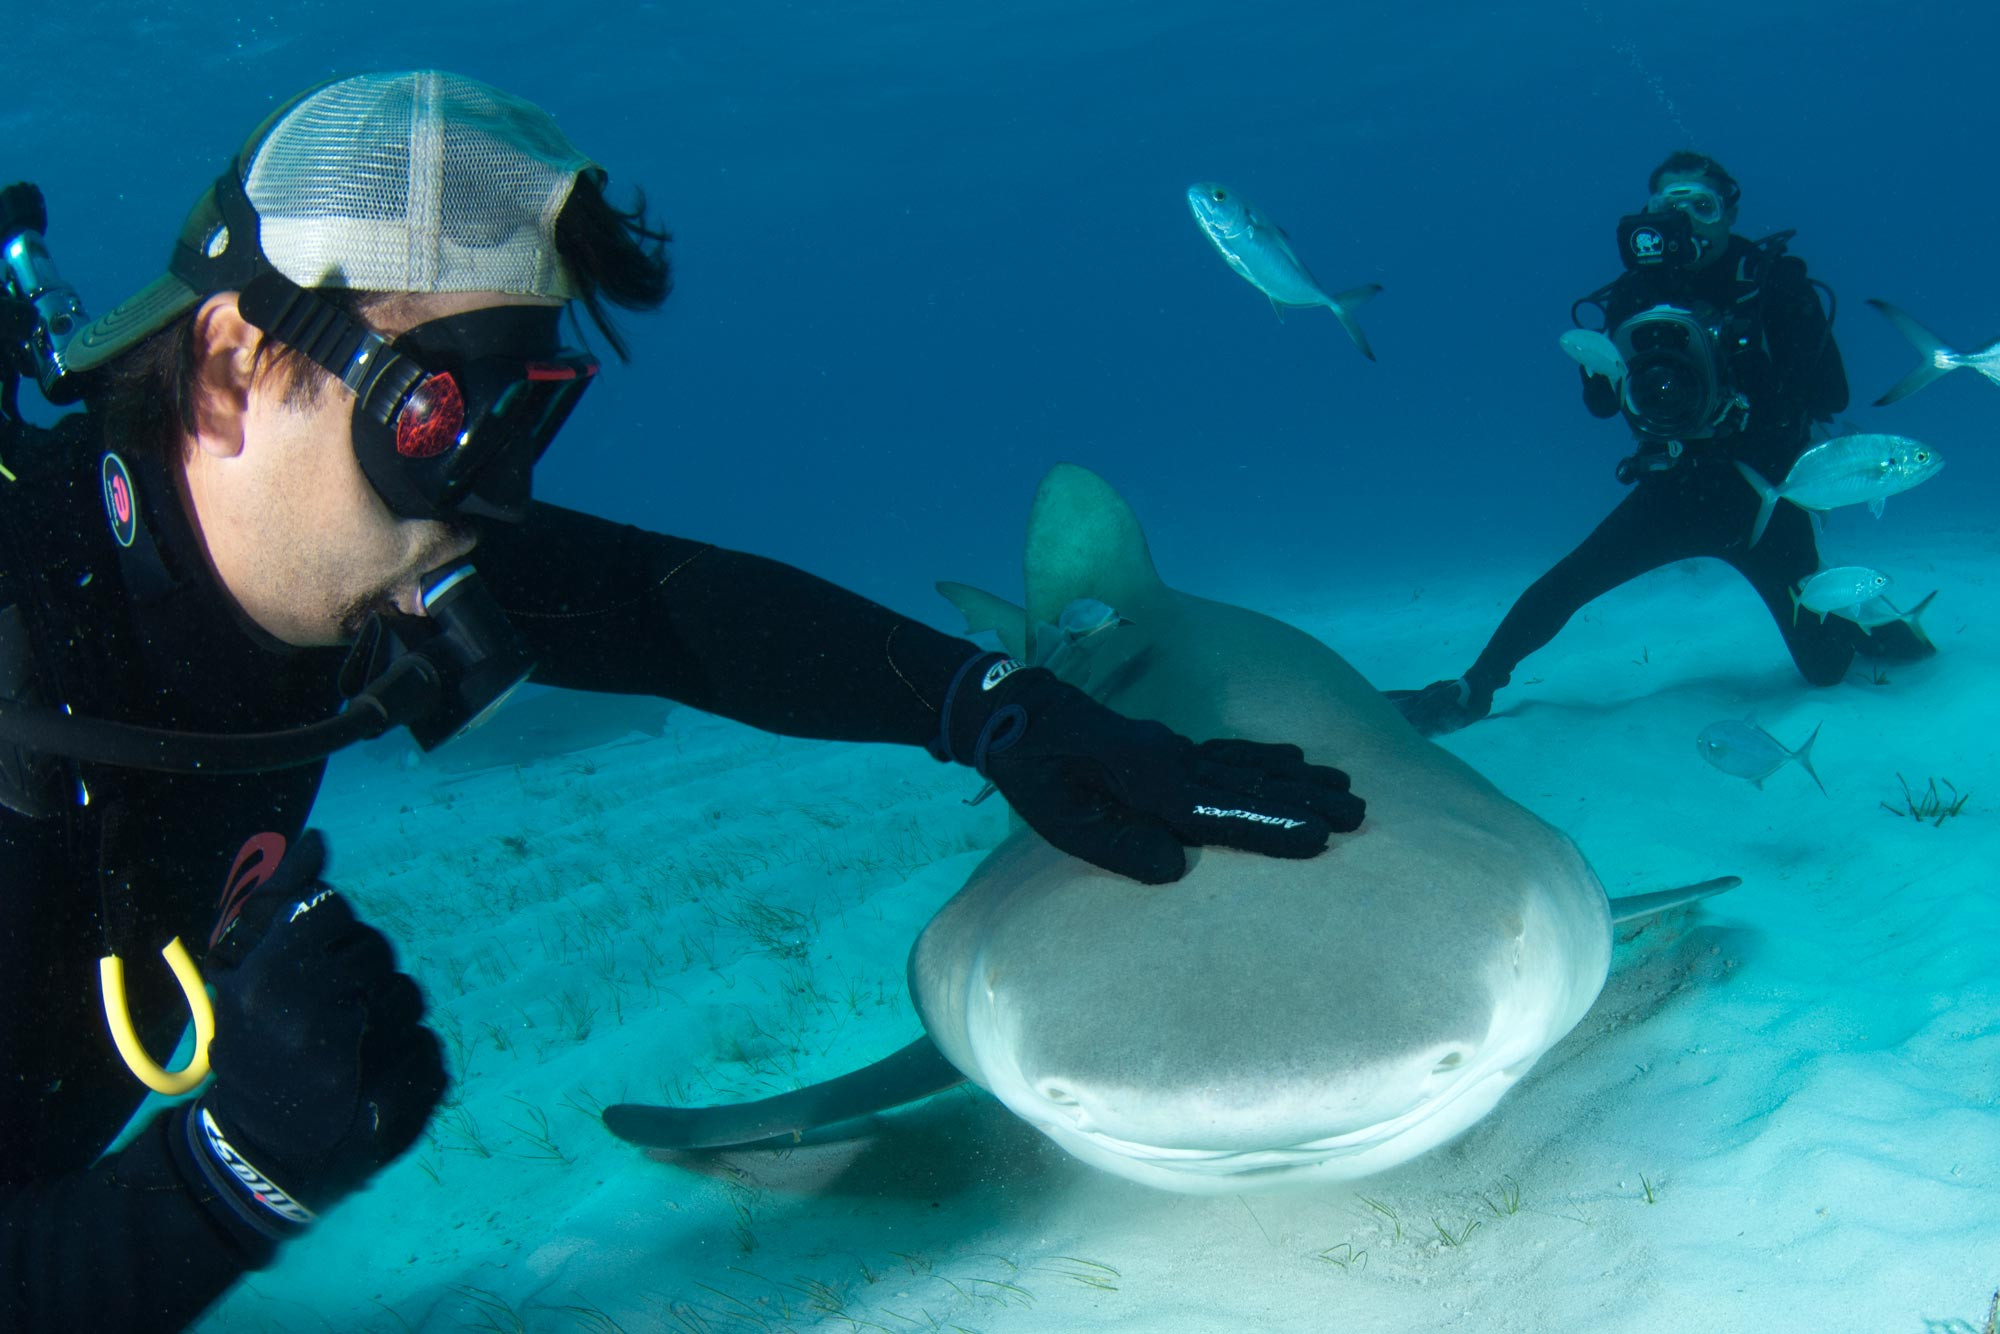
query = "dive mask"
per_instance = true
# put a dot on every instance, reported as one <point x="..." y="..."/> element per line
<point x="449" y="417"/>
<point x="1698" y="201"/>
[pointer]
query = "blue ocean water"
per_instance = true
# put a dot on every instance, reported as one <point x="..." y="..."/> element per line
<point x="923" y="252"/>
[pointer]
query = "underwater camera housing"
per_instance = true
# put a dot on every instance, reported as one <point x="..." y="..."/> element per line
<point x="1676" y="380"/>
<point x="1663" y="240"/>
<point x="39" y="312"/>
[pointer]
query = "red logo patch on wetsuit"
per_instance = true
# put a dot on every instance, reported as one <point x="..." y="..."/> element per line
<point x="119" y="505"/>
<point x="255" y="862"/>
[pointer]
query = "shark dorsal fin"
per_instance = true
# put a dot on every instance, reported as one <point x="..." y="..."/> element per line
<point x="1085" y="542"/>
<point x="985" y="611"/>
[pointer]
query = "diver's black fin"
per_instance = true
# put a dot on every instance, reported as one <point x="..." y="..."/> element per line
<point x="917" y="1071"/>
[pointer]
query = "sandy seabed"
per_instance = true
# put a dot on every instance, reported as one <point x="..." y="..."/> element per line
<point x="1783" y="1113"/>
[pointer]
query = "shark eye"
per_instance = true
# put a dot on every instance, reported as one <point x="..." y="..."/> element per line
<point x="1221" y="195"/>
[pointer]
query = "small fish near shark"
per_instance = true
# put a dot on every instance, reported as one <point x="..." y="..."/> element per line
<point x="1839" y="590"/>
<point x="1939" y="359"/>
<point x="1878" y="611"/>
<point x="1260" y="253"/>
<point x="1744" y="750"/>
<point x="1261" y="1022"/>
<point x="1597" y="354"/>
<point x="1846" y="470"/>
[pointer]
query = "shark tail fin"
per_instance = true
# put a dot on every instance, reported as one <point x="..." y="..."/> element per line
<point x="1938" y="358"/>
<point x="985" y="611"/>
<point x="1804" y="756"/>
<point x="1085" y="542"/>
<point x="1634" y="906"/>
<point x="1767" y="496"/>
<point x="1343" y="307"/>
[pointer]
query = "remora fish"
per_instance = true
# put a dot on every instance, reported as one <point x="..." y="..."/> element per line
<point x="1262" y="255"/>
<point x="1846" y="470"/>
<point x="1839" y="589"/>
<point x="1595" y="353"/>
<point x="1746" y="750"/>
<point x="1938" y="358"/>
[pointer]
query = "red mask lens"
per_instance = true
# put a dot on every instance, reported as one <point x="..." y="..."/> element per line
<point x="432" y="418"/>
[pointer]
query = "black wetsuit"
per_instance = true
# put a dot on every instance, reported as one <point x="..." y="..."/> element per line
<point x="141" y="635"/>
<point x="1790" y="371"/>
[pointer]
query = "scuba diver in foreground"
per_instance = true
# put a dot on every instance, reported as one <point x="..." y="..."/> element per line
<point x="256" y="545"/>
<point x="1728" y="359"/>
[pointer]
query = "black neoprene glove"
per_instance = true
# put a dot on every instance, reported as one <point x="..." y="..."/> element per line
<point x="1129" y="795"/>
<point x="324" y="1072"/>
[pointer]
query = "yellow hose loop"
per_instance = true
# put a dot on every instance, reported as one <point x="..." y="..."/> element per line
<point x="111" y="974"/>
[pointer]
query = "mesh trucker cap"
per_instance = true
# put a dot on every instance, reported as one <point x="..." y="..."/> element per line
<point x="419" y="181"/>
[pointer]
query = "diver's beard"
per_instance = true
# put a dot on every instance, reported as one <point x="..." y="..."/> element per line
<point x="444" y="543"/>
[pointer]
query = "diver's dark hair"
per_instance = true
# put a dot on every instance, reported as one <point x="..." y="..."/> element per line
<point x="613" y="254"/>
<point x="151" y="394"/>
<point x="1686" y="159"/>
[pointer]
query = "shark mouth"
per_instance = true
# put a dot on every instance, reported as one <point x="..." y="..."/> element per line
<point x="1354" y="1153"/>
<point x="1438" y="1116"/>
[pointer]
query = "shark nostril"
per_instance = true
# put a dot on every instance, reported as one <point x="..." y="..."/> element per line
<point x="1057" y="1094"/>
<point x="1451" y="1061"/>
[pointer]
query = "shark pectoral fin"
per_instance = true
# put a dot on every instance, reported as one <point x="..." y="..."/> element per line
<point x="917" y="1071"/>
<point x="984" y="611"/>
<point x="1632" y="907"/>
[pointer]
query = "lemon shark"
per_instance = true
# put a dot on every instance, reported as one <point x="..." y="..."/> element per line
<point x="1259" y="1022"/>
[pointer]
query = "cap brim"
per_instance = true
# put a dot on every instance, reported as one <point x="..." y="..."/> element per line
<point x="130" y="321"/>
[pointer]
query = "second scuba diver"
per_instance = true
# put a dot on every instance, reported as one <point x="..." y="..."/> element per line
<point x="1729" y="357"/>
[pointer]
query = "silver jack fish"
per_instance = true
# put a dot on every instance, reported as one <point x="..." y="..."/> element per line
<point x="1877" y="612"/>
<point x="1745" y="750"/>
<point x="1262" y="256"/>
<point x="1846" y="470"/>
<point x="1840" y="589"/>
<point x="1595" y="353"/>
<point x="1938" y="358"/>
